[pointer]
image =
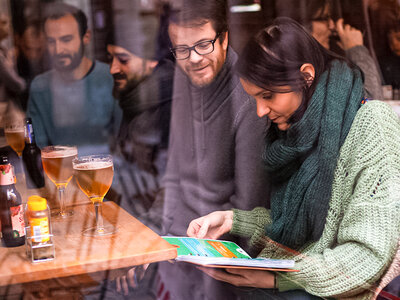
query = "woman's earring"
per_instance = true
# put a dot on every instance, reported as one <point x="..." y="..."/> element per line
<point x="309" y="79"/>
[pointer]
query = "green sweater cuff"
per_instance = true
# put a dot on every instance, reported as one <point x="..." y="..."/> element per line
<point x="246" y="223"/>
<point x="285" y="284"/>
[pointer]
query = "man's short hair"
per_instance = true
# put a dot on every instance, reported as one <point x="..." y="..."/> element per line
<point x="55" y="11"/>
<point x="193" y="13"/>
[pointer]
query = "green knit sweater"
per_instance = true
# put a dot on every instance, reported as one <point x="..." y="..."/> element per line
<point x="363" y="223"/>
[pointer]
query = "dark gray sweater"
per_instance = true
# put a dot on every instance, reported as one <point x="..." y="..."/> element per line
<point x="214" y="156"/>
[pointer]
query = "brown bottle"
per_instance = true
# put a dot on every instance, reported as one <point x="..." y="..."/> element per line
<point x="11" y="208"/>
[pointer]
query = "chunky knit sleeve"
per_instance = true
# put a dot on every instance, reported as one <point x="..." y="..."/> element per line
<point x="363" y="223"/>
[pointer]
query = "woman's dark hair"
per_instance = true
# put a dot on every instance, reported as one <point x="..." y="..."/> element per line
<point x="273" y="57"/>
<point x="199" y="12"/>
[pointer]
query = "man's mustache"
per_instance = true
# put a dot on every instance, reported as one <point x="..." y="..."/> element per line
<point x="61" y="56"/>
<point x="119" y="76"/>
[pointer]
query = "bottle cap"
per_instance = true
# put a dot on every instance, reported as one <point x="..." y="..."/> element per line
<point x="37" y="203"/>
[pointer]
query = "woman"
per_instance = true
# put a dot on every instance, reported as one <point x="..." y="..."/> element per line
<point x="334" y="169"/>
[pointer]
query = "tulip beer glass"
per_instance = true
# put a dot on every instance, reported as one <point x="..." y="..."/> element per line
<point x="57" y="164"/>
<point x="94" y="175"/>
<point x="15" y="136"/>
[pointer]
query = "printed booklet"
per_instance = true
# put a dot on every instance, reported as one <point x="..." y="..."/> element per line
<point x="223" y="254"/>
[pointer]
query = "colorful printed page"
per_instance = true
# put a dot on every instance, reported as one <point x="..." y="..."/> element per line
<point x="215" y="253"/>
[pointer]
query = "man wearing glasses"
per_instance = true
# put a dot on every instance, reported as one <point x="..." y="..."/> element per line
<point x="214" y="155"/>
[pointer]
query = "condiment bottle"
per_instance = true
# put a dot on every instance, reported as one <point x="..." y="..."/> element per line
<point x="38" y="218"/>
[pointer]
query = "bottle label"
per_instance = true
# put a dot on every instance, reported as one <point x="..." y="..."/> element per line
<point x="39" y="229"/>
<point x="17" y="221"/>
<point x="29" y="137"/>
<point x="6" y="175"/>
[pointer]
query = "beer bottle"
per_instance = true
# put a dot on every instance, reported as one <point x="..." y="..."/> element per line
<point x="11" y="208"/>
<point x="32" y="159"/>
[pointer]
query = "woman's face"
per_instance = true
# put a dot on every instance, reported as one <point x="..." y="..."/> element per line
<point x="279" y="107"/>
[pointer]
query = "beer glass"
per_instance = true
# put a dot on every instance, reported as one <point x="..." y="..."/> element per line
<point x="15" y="136"/>
<point x="57" y="164"/>
<point x="94" y="175"/>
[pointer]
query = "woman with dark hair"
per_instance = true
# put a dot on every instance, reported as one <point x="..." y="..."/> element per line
<point x="334" y="167"/>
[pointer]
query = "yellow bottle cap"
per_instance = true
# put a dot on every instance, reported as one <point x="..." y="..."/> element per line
<point x="37" y="203"/>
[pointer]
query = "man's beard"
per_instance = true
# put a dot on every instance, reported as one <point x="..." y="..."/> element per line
<point x="130" y="85"/>
<point x="75" y="58"/>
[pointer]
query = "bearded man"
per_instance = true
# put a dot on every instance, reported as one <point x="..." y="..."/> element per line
<point x="72" y="103"/>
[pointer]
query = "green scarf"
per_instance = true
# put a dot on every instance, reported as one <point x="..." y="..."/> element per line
<point x="302" y="160"/>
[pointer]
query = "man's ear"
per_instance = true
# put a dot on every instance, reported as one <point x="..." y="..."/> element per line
<point x="225" y="41"/>
<point x="86" y="37"/>
<point x="308" y="72"/>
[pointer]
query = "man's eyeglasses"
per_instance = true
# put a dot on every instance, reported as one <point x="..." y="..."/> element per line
<point x="201" y="48"/>
<point x="323" y="18"/>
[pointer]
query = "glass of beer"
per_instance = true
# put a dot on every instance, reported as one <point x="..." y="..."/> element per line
<point x="57" y="164"/>
<point x="15" y="136"/>
<point x="94" y="176"/>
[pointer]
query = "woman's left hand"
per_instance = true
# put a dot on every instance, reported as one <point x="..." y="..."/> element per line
<point x="242" y="277"/>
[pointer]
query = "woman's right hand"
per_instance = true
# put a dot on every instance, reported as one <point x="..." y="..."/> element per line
<point x="211" y="226"/>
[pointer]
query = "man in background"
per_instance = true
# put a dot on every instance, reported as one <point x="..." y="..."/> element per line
<point x="143" y="87"/>
<point x="72" y="103"/>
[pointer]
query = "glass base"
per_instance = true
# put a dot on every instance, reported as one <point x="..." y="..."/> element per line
<point x="57" y="214"/>
<point x="106" y="230"/>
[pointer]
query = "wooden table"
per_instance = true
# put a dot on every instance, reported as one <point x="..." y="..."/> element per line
<point x="133" y="244"/>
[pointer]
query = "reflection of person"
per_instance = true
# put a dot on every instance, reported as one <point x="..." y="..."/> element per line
<point x="11" y="85"/>
<point x="334" y="166"/>
<point x="72" y="103"/>
<point x="215" y="144"/>
<point x="316" y="16"/>
<point x="391" y="64"/>
<point x="31" y="56"/>
<point x="144" y="90"/>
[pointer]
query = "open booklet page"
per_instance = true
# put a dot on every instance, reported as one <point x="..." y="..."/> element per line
<point x="215" y="253"/>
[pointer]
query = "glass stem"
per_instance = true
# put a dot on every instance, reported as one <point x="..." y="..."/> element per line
<point x="61" y="190"/>
<point x="99" y="217"/>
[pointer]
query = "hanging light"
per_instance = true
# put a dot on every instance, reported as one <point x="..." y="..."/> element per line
<point x="246" y="6"/>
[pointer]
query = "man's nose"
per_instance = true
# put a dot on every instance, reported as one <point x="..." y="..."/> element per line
<point x="195" y="57"/>
<point x="331" y="24"/>
<point x="58" y="47"/>
<point x="114" y="67"/>
<point x="262" y="109"/>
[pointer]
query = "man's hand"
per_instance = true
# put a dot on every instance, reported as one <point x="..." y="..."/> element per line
<point x="242" y="277"/>
<point x="131" y="279"/>
<point x="349" y="36"/>
<point x="211" y="226"/>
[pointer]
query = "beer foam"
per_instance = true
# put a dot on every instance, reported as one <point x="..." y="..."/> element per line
<point x="60" y="152"/>
<point x="93" y="165"/>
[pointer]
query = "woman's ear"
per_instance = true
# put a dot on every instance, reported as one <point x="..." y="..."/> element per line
<point x="308" y="73"/>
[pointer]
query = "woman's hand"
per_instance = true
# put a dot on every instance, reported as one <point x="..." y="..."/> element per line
<point x="242" y="277"/>
<point x="211" y="226"/>
<point x="349" y="36"/>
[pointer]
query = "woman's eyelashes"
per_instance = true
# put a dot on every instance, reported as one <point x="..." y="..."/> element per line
<point x="267" y="95"/>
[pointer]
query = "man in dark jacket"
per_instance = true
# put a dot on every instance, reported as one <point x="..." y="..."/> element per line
<point x="143" y="88"/>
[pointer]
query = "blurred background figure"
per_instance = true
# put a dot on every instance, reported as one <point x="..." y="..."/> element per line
<point x="391" y="63"/>
<point x="31" y="54"/>
<point x="328" y="27"/>
<point x="11" y="85"/>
